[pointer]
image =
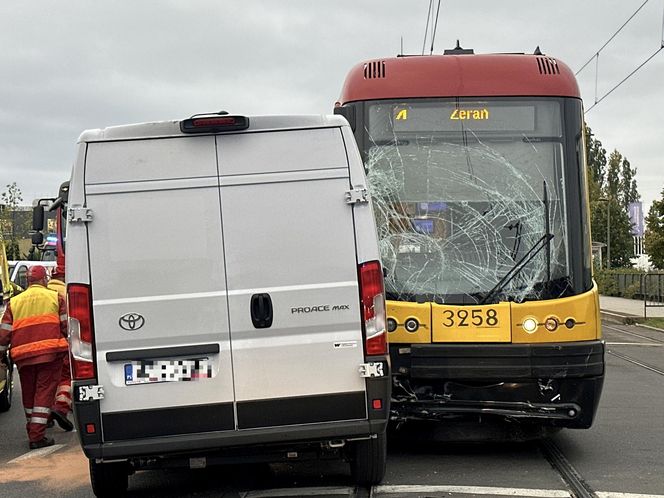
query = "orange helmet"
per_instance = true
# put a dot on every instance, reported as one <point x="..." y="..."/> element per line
<point x="36" y="273"/>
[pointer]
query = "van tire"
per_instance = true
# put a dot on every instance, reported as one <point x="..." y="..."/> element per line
<point x="109" y="479"/>
<point x="6" y="398"/>
<point x="6" y="394"/>
<point x="368" y="460"/>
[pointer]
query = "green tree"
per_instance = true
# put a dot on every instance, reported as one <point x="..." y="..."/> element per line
<point x="9" y="201"/>
<point x="612" y="186"/>
<point x="596" y="157"/>
<point x="654" y="237"/>
<point x="628" y="192"/>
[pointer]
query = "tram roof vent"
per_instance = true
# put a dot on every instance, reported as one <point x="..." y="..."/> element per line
<point x="374" y="69"/>
<point x="547" y="65"/>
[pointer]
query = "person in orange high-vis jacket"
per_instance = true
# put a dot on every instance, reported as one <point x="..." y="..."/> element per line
<point x="34" y="327"/>
<point x="62" y="406"/>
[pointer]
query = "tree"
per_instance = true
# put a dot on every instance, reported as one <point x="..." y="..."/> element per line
<point x="654" y="238"/>
<point x="612" y="186"/>
<point x="10" y="200"/>
<point x="620" y="238"/>
<point x="596" y="157"/>
<point x="627" y="191"/>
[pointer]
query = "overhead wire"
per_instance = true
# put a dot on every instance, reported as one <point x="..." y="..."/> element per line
<point x="426" y="28"/>
<point x="595" y="57"/>
<point x="612" y="37"/>
<point x="435" y="28"/>
<point x="597" y="101"/>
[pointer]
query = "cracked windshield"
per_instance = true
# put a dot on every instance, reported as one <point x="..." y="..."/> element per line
<point x="469" y="199"/>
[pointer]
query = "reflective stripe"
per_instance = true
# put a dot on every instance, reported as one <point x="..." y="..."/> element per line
<point x="64" y="398"/>
<point x="37" y="320"/>
<point x="63" y="318"/>
<point x="28" y="411"/>
<point x="64" y="388"/>
<point x="36" y="347"/>
<point x="39" y="420"/>
<point x="6" y="326"/>
<point x="41" y="409"/>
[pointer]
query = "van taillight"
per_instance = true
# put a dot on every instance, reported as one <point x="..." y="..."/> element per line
<point x="81" y="333"/>
<point x="372" y="296"/>
<point x="214" y="123"/>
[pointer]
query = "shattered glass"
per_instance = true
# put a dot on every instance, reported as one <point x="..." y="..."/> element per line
<point x="469" y="210"/>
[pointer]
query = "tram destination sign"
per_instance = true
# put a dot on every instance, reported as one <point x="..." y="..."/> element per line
<point x="472" y="116"/>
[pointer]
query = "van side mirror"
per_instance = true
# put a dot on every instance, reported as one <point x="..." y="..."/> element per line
<point x="38" y="218"/>
<point x="37" y="239"/>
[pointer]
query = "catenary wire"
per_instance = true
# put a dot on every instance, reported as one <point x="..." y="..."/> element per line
<point x="426" y="28"/>
<point x="597" y="101"/>
<point x="435" y="28"/>
<point x="612" y="37"/>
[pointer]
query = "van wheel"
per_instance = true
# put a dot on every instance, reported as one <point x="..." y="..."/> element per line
<point x="6" y="394"/>
<point x="109" y="479"/>
<point x="368" y="460"/>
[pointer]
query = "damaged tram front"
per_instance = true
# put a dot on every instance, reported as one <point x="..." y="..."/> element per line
<point x="476" y="166"/>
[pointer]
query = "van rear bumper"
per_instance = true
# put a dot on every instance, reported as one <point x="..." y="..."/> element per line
<point x="202" y="442"/>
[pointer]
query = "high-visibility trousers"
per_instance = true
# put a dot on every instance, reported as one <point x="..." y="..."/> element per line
<point x="63" y="392"/>
<point x="38" y="385"/>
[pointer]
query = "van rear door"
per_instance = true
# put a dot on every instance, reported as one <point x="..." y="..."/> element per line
<point x="289" y="243"/>
<point x="159" y="287"/>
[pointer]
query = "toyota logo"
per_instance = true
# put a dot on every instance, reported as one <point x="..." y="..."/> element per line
<point x="131" y="321"/>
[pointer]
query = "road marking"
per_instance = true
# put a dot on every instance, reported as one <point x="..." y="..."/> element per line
<point x="317" y="491"/>
<point x="609" y="494"/>
<point x="649" y="344"/>
<point x="635" y="362"/>
<point x="634" y="334"/>
<point x="37" y="453"/>
<point x="474" y="490"/>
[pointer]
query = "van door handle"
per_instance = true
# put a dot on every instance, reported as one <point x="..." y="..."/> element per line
<point x="261" y="311"/>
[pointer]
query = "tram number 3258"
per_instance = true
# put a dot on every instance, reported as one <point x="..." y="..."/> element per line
<point x="470" y="317"/>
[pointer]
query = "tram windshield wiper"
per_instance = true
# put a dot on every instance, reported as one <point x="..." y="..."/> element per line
<point x="543" y="242"/>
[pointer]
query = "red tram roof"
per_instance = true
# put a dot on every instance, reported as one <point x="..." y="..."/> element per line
<point x="465" y="75"/>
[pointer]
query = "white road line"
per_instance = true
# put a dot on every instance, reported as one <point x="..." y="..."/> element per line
<point x="37" y="453"/>
<point x="649" y="344"/>
<point x="609" y="494"/>
<point x="474" y="490"/>
<point x="317" y="491"/>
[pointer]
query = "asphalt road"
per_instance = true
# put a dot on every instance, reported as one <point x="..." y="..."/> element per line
<point x="621" y="456"/>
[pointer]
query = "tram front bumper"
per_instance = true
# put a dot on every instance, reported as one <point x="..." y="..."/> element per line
<point x="557" y="384"/>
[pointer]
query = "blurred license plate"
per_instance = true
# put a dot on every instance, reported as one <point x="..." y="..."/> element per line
<point x="151" y="371"/>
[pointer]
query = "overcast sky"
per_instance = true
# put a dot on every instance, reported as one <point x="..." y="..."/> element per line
<point x="66" y="66"/>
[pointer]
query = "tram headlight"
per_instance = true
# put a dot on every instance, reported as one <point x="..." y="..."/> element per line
<point x="529" y="325"/>
<point x="412" y="325"/>
<point x="391" y="324"/>
<point x="551" y="324"/>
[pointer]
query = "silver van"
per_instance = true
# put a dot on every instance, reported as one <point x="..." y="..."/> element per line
<point x="225" y="296"/>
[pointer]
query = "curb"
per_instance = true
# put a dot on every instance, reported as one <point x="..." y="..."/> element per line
<point x="643" y="325"/>
<point x="621" y="318"/>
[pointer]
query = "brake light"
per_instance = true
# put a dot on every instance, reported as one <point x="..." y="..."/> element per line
<point x="214" y="123"/>
<point x="81" y="332"/>
<point x="372" y="297"/>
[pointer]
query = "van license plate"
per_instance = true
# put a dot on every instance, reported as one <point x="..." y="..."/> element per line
<point x="152" y="371"/>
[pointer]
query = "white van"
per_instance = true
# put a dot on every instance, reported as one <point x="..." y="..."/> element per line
<point x="18" y="270"/>
<point x="225" y="297"/>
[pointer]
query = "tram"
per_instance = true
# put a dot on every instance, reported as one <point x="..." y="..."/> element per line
<point x="477" y="171"/>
